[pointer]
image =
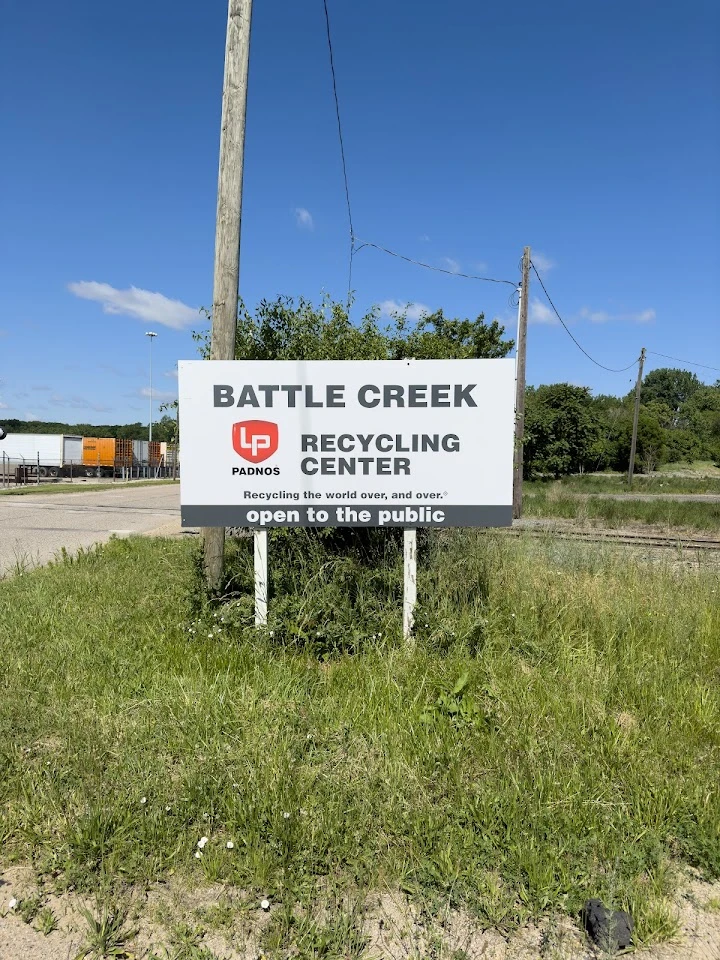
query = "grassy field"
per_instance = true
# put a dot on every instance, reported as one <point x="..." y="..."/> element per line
<point x="703" y="467"/>
<point x="552" y="734"/>
<point x="77" y="486"/>
<point x="672" y="515"/>
<point x="615" y="483"/>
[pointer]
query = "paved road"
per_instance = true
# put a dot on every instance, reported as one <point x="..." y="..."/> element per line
<point x="33" y="528"/>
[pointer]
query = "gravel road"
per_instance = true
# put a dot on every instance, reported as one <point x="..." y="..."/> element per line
<point x="34" y="528"/>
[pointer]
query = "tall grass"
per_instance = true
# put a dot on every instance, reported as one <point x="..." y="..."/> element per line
<point x="672" y="515"/>
<point x="617" y="483"/>
<point x="551" y="734"/>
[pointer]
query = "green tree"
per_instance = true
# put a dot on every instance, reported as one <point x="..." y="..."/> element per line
<point x="651" y="436"/>
<point x="670" y="386"/>
<point x="701" y="416"/>
<point x="285" y="329"/>
<point x="435" y="337"/>
<point x="562" y="430"/>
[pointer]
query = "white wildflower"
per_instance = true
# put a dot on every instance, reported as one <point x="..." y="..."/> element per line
<point x="197" y="855"/>
<point x="286" y="816"/>
<point x="201" y="842"/>
<point x="265" y="904"/>
<point x="12" y="903"/>
<point x="143" y="799"/>
<point x="230" y="845"/>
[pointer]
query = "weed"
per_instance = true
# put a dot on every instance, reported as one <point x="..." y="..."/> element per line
<point x="336" y="937"/>
<point x="107" y="934"/>
<point x="29" y="907"/>
<point x="189" y="952"/>
<point x="46" y="921"/>
<point x="458" y="706"/>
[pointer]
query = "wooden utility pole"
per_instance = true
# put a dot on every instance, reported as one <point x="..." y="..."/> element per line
<point x="520" y="384"/>
<point x="636" y="417"/>
<point x="227" y="229"/>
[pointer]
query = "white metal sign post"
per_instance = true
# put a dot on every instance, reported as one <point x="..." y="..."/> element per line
<point x="409" y="580"/>
<point x="387" y="443"/>
<point x="261" y="577"/>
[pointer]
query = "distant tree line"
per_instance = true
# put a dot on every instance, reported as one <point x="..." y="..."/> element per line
<point x="163" y="429"/>
<point x="567" y="429"/>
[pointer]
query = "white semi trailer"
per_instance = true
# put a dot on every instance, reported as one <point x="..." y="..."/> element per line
<point x="43" y="454"/>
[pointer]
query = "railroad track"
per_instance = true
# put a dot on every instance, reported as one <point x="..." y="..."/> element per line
<point x="609" y="536"/>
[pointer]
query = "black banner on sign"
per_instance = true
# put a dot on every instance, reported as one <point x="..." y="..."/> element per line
<point x="334" y="515"/>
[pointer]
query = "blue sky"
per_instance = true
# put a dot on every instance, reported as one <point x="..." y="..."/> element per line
<point x="588" y="131"/>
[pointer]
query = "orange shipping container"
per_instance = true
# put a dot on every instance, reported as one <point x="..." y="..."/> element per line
<point x="98" y="451"/>
<point x="107" y="452"/>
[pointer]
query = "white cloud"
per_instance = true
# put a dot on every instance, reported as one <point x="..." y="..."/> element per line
<point x="413" y="311"/>
<point x="4" y="406"/>
<point x="541" y="261"/>
<point x="601" y="316"/>
<point x="594" y="316"/>
<point x="480" y="266"/>
<point x="425" y="238"/>
<point x="540" y="313"/>
<point x="171" y="373"/>
<point x="449" y="264"/>
<point x="303" y="218"/>
<point x="134" y="302"/>
<point x="159" y="394"/>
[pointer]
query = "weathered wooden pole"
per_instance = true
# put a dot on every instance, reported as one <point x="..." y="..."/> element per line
<point x="636" y="418"/>
<point x="227" y="230"/>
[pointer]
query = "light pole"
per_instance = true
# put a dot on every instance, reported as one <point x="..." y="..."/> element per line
<point x="151" y="335"/>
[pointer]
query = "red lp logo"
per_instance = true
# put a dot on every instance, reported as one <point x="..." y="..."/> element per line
<point x="255" y="440"/>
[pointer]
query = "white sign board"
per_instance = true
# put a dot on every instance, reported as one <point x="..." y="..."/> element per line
<point x="339" y="443"/>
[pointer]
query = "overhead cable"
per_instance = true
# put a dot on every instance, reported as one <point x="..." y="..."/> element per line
<point x="342" y="150"/>
<point x="428" y="266"/>
<point x="578" y="345"/>
<point x="688" y="363"/>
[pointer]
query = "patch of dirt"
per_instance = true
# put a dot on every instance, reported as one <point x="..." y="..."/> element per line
<point x="226" y="922"/>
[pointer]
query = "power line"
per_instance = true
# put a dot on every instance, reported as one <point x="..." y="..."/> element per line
<point x="342" y="150"/>
<point x="428" y="266"/>
<point x="602" y="365"/>
<point x="356" y="245"/>
<point x="689" y="363"/>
